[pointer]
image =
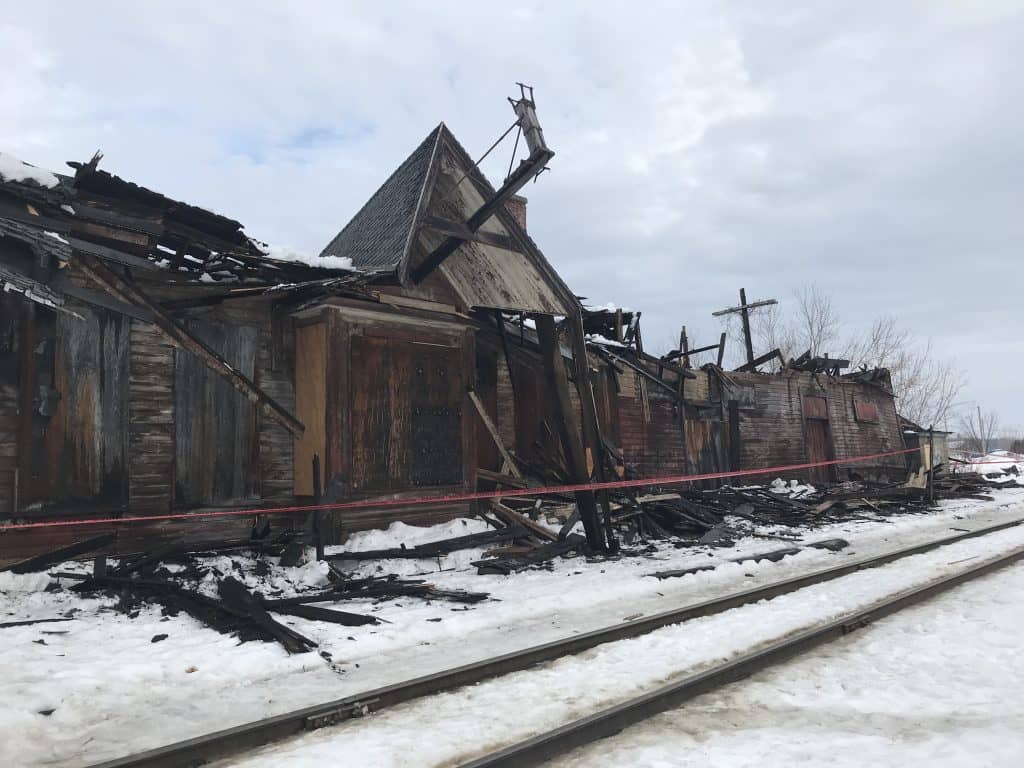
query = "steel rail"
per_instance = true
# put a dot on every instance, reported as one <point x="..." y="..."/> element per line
<point x="232" y="741"/>
<point x="542" y="748"/>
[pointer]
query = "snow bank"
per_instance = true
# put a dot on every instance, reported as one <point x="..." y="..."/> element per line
<point x="13" y="169"/>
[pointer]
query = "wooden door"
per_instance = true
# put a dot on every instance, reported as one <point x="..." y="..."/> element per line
<point x="407" y="400"/>
<point x="818" y="439"/>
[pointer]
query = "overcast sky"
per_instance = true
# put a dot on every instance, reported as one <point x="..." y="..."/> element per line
<point x="876" y="149"/>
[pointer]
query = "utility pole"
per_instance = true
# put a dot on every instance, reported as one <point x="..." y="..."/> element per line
<point x="744" y="310"/>
<point x="982" y="437"/>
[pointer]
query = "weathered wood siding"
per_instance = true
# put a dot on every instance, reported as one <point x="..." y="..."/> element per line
<point x="651" y="432"/>
<point x="772" y="421"/>
<point x="275" y="375"/>
<point x="10" y="353"/>
<point x="151" y="411"/>
<point x="216" y="444"/>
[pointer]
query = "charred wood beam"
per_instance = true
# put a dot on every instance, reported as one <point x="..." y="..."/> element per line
<point x="569" y="433"/>
<point x="100" y="299"/>
<point x="753" y="364"/>
<point x="686" y="374"/>
<point x="721" y="350"/>
<point x="111" y="254"/>
<point x="458" y="229"/>
<point x="686" y="353"/>
<point x="594" y="441"/>
<point x="53" y="557"/>
<point x="604" y="353"/>
<point x="121" y="289"/>
<point x="526" y="171"/>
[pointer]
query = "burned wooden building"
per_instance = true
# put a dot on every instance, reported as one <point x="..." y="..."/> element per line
<point x="156" y="359"/>
<point x="672" y="418"/>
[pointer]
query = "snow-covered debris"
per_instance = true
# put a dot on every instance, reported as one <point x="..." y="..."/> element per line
<point x="793" y="489"/>
<point x="13" y="169"/>
<point x="285" y="253"/>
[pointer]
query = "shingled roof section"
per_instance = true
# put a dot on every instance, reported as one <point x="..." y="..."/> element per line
<point x="378" y="235"/>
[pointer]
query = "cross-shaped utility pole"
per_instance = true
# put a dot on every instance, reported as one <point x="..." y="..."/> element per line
<point x="744" y="310"/>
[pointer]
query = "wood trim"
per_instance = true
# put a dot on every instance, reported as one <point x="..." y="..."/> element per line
<point x="310" y="403"/>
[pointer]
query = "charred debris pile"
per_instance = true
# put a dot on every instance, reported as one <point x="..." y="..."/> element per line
<point x="525" y="533"/>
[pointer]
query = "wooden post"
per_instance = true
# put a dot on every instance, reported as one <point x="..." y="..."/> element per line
<point x="931" y="463"/>
<point x="569" y="434"/>
<point x="745" y="314"/>
<point x="591" y="424"/>
<point x="684" y="346"/>
<point x="721" y="349"/>
<point x="734" y="435"/>
<point x="318" y="515"/>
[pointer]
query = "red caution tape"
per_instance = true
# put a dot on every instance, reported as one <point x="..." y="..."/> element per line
<point x="450" y="498"/>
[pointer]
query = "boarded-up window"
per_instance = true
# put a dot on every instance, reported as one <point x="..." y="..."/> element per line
<point x="815" y="407"/>
<point x="406" y="414"/>
<point x="865" y="411"/>
<point x="216" y="446"/>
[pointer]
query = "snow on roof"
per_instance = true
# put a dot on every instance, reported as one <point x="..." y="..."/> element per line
<point x="13" y="169"/>
<point x="609" y="307"/>
<point x="285" y="253"/>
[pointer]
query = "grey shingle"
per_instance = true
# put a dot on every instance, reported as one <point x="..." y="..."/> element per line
<point x="376" y="236"/>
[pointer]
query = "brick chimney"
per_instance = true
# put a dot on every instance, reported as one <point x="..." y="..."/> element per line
<point x="516" y="205"/>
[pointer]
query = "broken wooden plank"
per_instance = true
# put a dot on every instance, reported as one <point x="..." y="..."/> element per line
<point x="495" y="436"/>
<point x="29" y="622"/>
<point x="315" y="613"/>
<point x="501" y="479"/>
<point x="511" y="517"/>
<point x="238" y="598"/>
<point x="507" y="565"/>
<point x="753" y="364"/>
<point x="56" y="556"/>
<point x="437" y="548"/>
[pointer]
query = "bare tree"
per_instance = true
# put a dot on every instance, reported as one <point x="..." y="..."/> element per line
<point x="977" y="429"/>
<point x="925" y="385"/>
<point x="816" y="323"/>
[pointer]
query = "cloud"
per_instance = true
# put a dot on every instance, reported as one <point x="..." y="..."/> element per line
<point x="873" y="149"/>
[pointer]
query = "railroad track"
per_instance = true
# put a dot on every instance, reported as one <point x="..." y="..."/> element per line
<point x="236" y="740"/>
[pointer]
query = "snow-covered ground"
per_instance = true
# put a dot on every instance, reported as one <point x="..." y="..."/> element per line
<point x="113" y="691"/>
<point x="998" y="466"/>
<point x="939" y="685"/>
<point x="455" y="727"/>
